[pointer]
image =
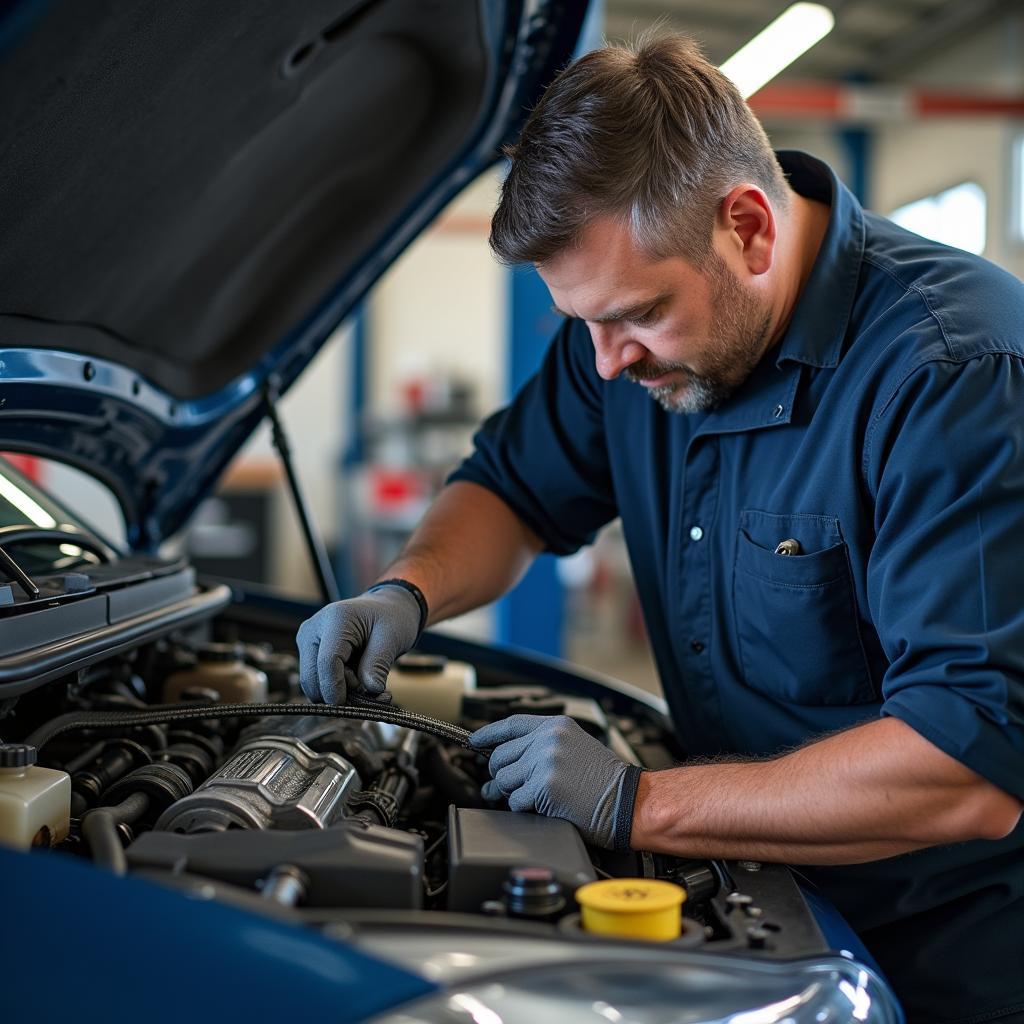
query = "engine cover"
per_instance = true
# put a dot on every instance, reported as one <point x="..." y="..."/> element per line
<point x="270" y="782"/>
<point x="483" y="846"/>
<point x="352" y="864"/>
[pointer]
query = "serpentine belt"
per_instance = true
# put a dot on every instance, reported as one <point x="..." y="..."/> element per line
<point x="358" y="708"/>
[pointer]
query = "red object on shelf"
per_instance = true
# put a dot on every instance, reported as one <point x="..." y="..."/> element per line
<point x="414" y="395"/>
<point x="390" y="489"/>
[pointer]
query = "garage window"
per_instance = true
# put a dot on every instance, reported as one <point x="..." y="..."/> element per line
<point x="1018" y="188"/>
<point x="955" y="216"/>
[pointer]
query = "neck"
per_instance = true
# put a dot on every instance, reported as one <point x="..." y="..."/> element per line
<point x="800" y="237"/>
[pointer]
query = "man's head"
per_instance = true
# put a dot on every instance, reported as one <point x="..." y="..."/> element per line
<point x="642" y="175"/>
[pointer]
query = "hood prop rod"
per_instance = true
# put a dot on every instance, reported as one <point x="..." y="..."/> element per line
<point x="314" y="543"/>
<point x="15" y="572"/>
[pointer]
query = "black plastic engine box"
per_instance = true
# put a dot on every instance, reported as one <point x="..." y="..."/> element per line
<point x="351" y="864"/>
<point x="483" y="846"/>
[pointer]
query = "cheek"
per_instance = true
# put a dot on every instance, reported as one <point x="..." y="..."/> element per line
<point x="672" y="344"/>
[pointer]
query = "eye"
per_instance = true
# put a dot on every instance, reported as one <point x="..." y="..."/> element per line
<point x="645" y="319"/>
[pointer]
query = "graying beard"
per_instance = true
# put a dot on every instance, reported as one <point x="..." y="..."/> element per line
<point x="701" y="393"/>
<point x="696" y="395"/>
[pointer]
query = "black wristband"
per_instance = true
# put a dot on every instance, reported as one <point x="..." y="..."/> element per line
<point x="623" y="826"/>
<point x="415" y="591"/>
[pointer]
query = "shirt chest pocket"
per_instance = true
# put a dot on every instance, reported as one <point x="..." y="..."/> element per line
<point x="795" y="613"/>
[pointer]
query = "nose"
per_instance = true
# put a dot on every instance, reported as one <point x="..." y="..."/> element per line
<point x="614" y="350"/>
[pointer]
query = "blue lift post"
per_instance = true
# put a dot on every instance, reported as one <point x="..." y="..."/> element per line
<point x="533" y="614"/>
<point x="856" y="143"/>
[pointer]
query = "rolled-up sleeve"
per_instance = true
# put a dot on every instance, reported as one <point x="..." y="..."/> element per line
<point x="545" y="453"/>
<point x="945" y="461"/>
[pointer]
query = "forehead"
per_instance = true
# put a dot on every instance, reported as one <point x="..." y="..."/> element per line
<point x="606" y="270"/>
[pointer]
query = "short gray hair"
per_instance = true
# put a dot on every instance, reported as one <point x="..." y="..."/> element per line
<point x="651" y="133"/>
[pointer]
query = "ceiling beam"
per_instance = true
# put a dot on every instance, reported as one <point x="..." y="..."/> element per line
<point x="714" y="20"/>
<point x="931" y="33"/>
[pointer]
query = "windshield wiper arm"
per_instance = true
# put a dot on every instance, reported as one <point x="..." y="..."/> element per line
<point x="15" y="572"/>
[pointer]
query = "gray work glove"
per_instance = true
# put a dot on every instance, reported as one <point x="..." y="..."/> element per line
<point x="350" y="646"/>
<point x="548" y="764"/>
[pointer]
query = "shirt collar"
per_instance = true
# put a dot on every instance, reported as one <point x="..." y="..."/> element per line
<point x="816" y="332"/>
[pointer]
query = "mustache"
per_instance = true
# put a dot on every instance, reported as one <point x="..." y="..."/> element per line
<point x="651" y="370"/>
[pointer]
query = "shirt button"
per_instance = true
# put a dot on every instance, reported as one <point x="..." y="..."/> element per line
<point x="696" y="646"/>
<point x="778" y="411"/>
<point x="696" y="533"/>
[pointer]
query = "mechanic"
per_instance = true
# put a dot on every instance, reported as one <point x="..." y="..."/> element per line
<point x="810" y="424"/>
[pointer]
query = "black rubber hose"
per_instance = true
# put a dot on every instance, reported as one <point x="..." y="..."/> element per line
<point x="87" y="756"/>
<point x="114" y="762"/>
<point x="99" y="829"/>
<point x="162" y="714"/>
<point x="382" y="803"/>
<point x="453" y="784"/>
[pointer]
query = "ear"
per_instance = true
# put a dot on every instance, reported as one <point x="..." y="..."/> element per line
<point x="747" y="215"/>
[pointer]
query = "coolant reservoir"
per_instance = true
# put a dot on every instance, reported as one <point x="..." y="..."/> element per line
<point x="431" y="685"/>
<point x="35" y="803"/>
<point x="632" y="908"/>
<point x="220" y="667"/>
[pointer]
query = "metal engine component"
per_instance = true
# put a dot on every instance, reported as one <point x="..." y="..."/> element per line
<point x="360" y="743"/>
<point x="270" y="782"/>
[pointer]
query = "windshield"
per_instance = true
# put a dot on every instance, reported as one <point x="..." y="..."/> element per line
<point x="38" y="533"/>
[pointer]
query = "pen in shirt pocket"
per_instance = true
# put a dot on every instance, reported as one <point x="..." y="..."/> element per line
<point x="788" y="547"/>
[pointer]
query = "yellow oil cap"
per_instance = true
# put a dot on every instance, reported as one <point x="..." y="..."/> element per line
<point x="632" y="908"/>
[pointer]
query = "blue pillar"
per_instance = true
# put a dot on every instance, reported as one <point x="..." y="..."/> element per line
<point x="856" y="143"/>
<point x="533" y="614"/>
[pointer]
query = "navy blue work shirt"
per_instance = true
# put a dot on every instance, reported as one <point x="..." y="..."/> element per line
<point x="884" y="435"/>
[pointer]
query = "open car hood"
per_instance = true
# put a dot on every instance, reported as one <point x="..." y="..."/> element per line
<point x="195" y="195"/>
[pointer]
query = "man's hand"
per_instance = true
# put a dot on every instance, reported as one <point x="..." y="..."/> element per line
<point x="350" y="646"/>
<point x="551" y="766"/>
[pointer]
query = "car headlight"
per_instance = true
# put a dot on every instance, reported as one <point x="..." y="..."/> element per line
<point x="510" y="980"/>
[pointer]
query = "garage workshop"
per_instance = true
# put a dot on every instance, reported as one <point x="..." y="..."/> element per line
<point x="511" y="511"/>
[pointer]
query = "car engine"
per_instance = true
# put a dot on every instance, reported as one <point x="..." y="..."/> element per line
<point x="196" y="763"/>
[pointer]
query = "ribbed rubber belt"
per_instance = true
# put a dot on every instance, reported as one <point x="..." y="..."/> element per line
<point x="163" y="714"/>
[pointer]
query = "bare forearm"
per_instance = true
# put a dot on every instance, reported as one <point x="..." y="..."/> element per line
<point x="468" y="549"/>
<point x="875" y="791"/>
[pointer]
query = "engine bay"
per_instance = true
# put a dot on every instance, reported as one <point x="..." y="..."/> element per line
<point x="352" y="820"/>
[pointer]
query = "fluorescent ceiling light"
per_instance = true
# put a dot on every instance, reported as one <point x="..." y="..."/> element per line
<point x="24" y="504"/>
<point x="789" y="36"/>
